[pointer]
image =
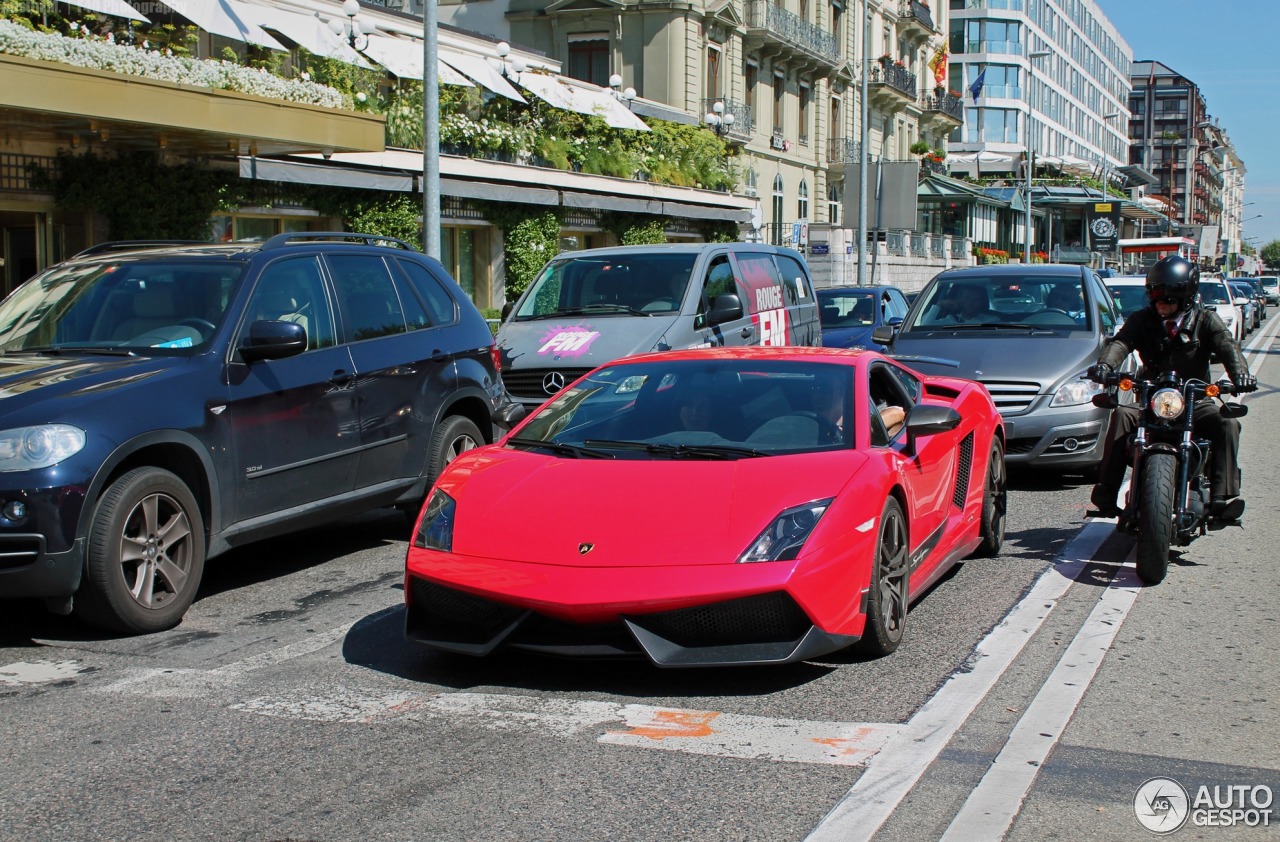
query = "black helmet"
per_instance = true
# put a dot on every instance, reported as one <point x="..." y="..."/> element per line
<point x="1173" y="278"/>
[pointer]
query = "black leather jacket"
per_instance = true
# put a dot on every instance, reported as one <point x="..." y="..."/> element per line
<point x="1202" y="334"/>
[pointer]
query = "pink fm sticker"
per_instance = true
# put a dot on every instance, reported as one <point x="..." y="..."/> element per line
<point x="573" y="341"/>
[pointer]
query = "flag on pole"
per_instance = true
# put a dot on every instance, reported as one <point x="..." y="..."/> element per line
<point x="976" y="87"/>
<point x="938" y="64"/>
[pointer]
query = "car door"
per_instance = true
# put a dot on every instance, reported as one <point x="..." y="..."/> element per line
<point x="404" y="366"/>
<point x="767" y="299"/>
<point x="721" y="277"/>
<point x="803" y="322"/>
<point x="294" y="421"/>
<point x="926" y="465"/>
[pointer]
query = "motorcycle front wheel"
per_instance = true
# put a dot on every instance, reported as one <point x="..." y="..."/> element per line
<point x="1155" y="516"/>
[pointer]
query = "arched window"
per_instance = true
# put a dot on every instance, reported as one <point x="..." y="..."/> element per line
<point x="834" y="191"/>
<point x="779" y="214"/>
<point x="802" y="205"/>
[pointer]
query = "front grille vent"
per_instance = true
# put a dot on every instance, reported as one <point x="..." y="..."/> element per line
<point x="962" y="475"/>
<point x="529" y="382"/>
<point x="1012" y="396"/>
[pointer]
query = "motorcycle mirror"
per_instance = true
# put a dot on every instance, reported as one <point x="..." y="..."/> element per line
<point x="1105" y="400"/>
<point x="1233" y="410"/>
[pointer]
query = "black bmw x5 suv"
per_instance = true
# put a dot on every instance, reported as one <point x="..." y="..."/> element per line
<point x="161" y="405"/>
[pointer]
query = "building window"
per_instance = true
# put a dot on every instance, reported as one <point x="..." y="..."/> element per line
<point x="779" y="213"/>
<point x="752" y="74"/>
<point x="837" y="24"/>
<point x="802" y="205"/>
<point x="833" y="201"/>
<point x="713" y="73"/>
<point x="806" y="95"/>
<point x="836" y="129"/>
<point x="464" y="252"/>
<point x="779" y="90"/>
<point x="589" y="60"/>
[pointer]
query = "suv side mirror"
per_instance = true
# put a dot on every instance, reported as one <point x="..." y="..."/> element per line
<point x="509" y="415"/>
<point x="506" y="310"/>
<point x="883" y="334"/>
<point x="273" y="340"/>
<point x="726" y="308"/>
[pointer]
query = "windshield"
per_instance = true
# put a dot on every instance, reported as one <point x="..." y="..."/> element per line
<point x="126" y="306"/>
<point x="631" y="284"/>
<point x="700" y="409"/>
<point x="981" y="302"/>
<point x="847" y="309"/>
<point x="1214" y="292"/>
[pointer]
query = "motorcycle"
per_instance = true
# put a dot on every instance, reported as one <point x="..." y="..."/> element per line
<point x="1168" y="500"/>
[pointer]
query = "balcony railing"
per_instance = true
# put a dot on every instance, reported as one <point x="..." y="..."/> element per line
<point x="947" y="104"/>
<point x="898" y="78"/>
<point x="896" y="242"/>
<point x="843" y="150"/>
<point x="958" y="247"/>
<point x="767" y="22"/>
<point x="919" y="244"/>
<point x="743" y="125"/>
<point x="937" y="247"/>
<point x="1013" y="48"/>
<point x="916" y="14"/>
<point x="927" y="166"/>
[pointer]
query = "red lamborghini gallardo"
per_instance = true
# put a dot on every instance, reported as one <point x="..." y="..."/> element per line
<point x="711" y="507"/>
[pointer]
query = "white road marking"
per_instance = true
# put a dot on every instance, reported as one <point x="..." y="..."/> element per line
<point x="991" y="807"/>
<point x="908" y="754"/>
<point x="634" y="726"/>
<point x="40" y="672"/>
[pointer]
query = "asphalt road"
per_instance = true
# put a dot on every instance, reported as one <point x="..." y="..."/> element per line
<point x="1034" y="694"/>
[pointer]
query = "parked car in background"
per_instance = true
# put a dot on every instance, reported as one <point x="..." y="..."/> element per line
<point x="1246" y="299"/>
<point x="745" y="506"/>
<point x="849" y="314"/>
<point x="1259" y="296"/>
<point x="1215" y="294"/>
<point x="1129" y="292"/>
<point x="588" y="307"/>
<point x="165" y="405"/>
<point x="1028" y="333"/>
<point x="1271" y="287"/>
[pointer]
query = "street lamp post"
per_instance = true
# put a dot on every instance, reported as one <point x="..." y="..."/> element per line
<point x="430" y="133"/>
<point x="1106" y="160"/>
<point x="864" y="136"/>
<point x="1031" y="85"/>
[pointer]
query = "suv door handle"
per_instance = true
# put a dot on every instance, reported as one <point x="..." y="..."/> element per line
<point x="341" y="378"/>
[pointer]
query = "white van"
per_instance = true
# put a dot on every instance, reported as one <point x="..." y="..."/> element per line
<point x="586" y="308"/>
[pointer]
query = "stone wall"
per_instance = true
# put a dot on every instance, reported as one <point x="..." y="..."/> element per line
<point x="902" y="259"/>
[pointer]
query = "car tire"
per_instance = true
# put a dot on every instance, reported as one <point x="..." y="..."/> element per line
<point x="455" y="436"/>
<point x="995" y="498"/>
<point x="888" y="597"/>
<point x="145" y="555"/>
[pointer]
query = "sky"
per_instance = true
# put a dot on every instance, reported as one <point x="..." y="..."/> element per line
<point x="1230" y="49"/>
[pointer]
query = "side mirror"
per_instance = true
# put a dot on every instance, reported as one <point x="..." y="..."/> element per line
<point x="726" y="308"/>
<point x="1233" y="410"/>
<point x="1105" y="400"/>
<point x="506" y="310"/>
<point x="509" y="415"/>
<point x="883" y="334"/>
<point x="273" y="340"/>
<point x="929" y="420"/>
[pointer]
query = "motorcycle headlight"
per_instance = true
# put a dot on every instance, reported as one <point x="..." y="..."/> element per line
<point x="29" y="448"/>
<point x="782" y="539"/>
<point x="435" y="530"/>
<point x="1167" y="403"/>
<point x="1075" y="392"/>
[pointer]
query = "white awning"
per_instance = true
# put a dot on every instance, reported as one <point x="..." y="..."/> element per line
<point x="115" y="8"/>
<point x="404" y="59"/>
<point x="478" y="70"/>
<point x="296" y="172"/>
<point x="582" y="100"/>
<point x="307" y="31"/>
<point x="217" y="17"/>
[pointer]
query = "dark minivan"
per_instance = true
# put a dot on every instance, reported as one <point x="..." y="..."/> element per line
<point x="163" y="405"/>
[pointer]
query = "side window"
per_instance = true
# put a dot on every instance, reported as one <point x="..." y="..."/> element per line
<point x="762" y="281"/>
<point x="292" y="290"/>
<point x="1106" y="305"/>
<point x="367" y="296"/>
<point x="720" y="281"/>
<point x="440" y="305"/>
<point x="892" y="394"/>
<point x="897" y="305"/>
<point x="794" y="279"/>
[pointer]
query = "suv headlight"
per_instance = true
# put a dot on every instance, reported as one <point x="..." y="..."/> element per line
<point x="1075" y="392"/>
<point x="782" y="539"/>
<point x="29" y="448"/>
<point x="435" y="530"/>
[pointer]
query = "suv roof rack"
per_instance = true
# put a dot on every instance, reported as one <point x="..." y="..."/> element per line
<point x="283" y="240"/>
<point x="134" y="245"/>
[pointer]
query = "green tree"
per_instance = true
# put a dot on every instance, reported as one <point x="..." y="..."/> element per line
<point x="1271" y="253"/>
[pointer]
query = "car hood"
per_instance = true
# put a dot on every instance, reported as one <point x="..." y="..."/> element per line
<point x="579" y="343"/>
<point x="1043" y="357"/>
<point x="525" y="506"/>
<point x="848" y="337"/>
<point x="30" y="378"/>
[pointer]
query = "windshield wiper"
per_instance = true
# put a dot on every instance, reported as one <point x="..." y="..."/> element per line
<point x="708" y="451"/>
<point x="611" y="308"/>
<point x="562" y="448"/>
<point x="56" y="350"/>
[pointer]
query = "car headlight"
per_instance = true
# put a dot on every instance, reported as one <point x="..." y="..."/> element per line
<point x="1167" y="403"/>
<point x="435" y="530"/>
<point x="28" y="448"/>
<point x="782" y="539"/>
<point x="1075" y="392"/>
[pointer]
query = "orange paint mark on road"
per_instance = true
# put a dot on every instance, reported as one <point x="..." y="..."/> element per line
<point x="847" y="745"/>
<point x="674" y="723"/>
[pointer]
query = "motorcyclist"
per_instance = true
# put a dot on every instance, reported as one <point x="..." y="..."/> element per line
<point x="1176" y="334"/>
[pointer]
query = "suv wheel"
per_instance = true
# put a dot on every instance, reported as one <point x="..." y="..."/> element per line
<point x="145" y="556"/>
<point x="454" y="437"/>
